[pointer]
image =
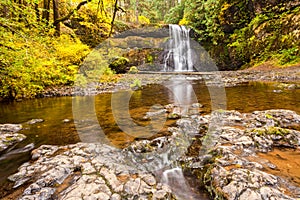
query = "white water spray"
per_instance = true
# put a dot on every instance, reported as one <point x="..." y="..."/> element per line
<point x="175" y="179"/>
<point x="180" y="54"/>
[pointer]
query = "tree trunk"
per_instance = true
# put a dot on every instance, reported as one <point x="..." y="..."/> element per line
<point x="137" y="11"/>
<point x="58" y="19"/>
<point x="46" y="13"/>
<point x="55" y="17"/>
<point x="20" y="15"/>
<point x="113" y="18"/>
<point x="37" y="12"/>
<point x="103" y="9"/>
<point x="5" y="13"/>
<point x="97" y="12"/>
<point x="127" y="7"/>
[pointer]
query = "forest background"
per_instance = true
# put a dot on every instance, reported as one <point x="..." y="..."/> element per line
<point x="44" y="42"/>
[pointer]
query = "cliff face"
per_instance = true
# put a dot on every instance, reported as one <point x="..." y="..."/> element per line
<point x="238" y="33"/>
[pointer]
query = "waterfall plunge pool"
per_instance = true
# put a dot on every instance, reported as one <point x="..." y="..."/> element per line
<point x="56" y="130"/>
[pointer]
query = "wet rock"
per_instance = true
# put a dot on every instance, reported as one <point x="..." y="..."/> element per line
<point x="10" y="128"/>
<point x="88" y="187"/>
<point x="9" y="139"/>
<point x="112" y="179"/>
<point x="43" y="193"/>
<point x="149" y="115"/>
<point x="249" y="194"/>
<point x="98" y="171"/>
<point x="9" y="135"/>
<point x="132" y="186"/>
<point x="34" y="121"/>
<point x="26" y="148"/>
<point x="236" y="139"/>
<point x="115" y="196"/>
<point x="66" y="120"/>
<point x="197" y="105"/>
<point x="228" y="139"/>
<point x="270" y="193"/>
<point x="87" y="168"/>
<point x="169" y="107"/>
<point x="149" y="179"/>
<point x="174" y="116"/>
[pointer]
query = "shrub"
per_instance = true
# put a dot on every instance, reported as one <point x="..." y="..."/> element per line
<point x="174" y="15"/>
<point x="30" y="63"/>
<point x="144" y="20"/>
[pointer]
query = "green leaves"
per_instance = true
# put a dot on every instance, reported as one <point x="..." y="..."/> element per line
<point x="203" y="16"/>
<point x="237" y="32"/>
<point x="175" y="14"/>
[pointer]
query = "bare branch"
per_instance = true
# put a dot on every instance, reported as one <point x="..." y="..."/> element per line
<point x="71" y="12"/>
<point x="113" y="19"/>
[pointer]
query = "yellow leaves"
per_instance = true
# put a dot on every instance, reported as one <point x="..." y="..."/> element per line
<point x="251" y="39"/>
<point x="69" y="51"/>
<point x="222" y="13"/>
<point x="184" y="21"/>
<point x="144" y="20"/>
<point x="35" y="62"/>
<point x="225" y="6"/>
<point x="238" y="166"/>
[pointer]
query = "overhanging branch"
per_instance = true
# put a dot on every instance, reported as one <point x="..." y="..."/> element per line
<point x="71" y="12"/>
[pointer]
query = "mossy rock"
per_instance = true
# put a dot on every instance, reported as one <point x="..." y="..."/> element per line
<point x="133" y="70"/>
<point x="271" y="131"/>
<point x="119" y="65"/>
<point x="173" y="116"/>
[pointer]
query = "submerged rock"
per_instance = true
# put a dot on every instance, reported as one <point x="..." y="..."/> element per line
<point x="34" y="121"/>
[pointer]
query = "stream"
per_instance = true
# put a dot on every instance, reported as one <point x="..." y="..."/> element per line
<point x="60" y="127"/>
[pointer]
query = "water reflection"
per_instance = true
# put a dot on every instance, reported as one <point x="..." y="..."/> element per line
<point x="181" y="94"/>
<point x="86" y="122"/>
<point x="178" y="91"/>
<point x="120" y="107"/>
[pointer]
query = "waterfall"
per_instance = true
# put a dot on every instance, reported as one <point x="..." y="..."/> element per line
<point x="179" y="57"/>
<point x="175" y="179"/>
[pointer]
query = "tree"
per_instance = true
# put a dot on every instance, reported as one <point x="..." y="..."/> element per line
<point x="46" y="10"/>
<point x="66" y="17"/>
<point x="114" y="16"/>
<point x="137" y="11"/>
<point x="56" y="17"/>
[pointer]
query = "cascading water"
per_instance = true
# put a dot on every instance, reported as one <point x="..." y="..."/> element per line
<point x="179" y="57"/>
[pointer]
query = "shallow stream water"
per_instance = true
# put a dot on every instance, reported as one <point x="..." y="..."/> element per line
<point x="60" y="127"/>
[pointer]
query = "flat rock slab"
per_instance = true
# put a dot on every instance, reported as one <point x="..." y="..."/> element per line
<point x="231" y="140"/>
<point x="228" y="139"/>
<point x="85" y="171"/>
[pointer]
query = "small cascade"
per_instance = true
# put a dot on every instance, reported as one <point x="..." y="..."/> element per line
<point x="179" y="57"/>
<point x="175" y="179"/>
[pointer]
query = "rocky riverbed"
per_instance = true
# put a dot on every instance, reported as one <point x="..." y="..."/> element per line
<point x="289" y="78"/>
<point x="232" y="155"/>
<point x="229" y="165"/>
<point x="10" y="136"/>
<point x="222" y="150"/>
